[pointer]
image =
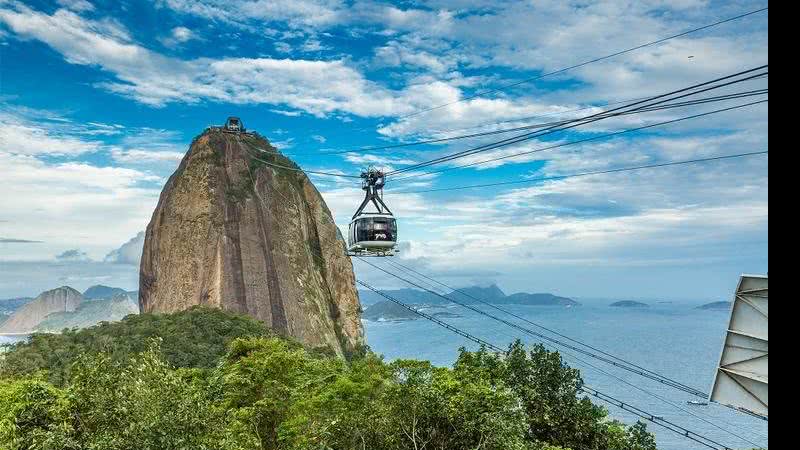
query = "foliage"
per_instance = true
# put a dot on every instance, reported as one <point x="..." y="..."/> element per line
<point x="270" y="393"/>
<point x="197" y="337"/>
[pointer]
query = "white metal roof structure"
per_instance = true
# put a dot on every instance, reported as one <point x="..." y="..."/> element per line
<point x="741" y="380"/>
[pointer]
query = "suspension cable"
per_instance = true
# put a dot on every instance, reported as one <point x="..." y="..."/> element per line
<point x="580" y="141"/>
<point x="583" y="361"/>
<point x="651" y="101"/>
<point x="659" y="379"/>
<point x="575" y="66"/>
<point x="696" y="437"/>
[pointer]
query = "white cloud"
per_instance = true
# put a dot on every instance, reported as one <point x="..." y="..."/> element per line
<point x="295" y="13"/>
<point x="72" y="204"/>
<point x="286" y="113"/>
<point x="283" y="47"/>
<point x="129" y="253"/>
<point x="40" y="133"/>
<point x="73" y="255"/>
<point x="313" y="45"/>
<point x="178" y="35"/>
<point x="77" y="5"/>
<point x="383" y="161"/>
<point x="23" y="137"/>
<point x="618" y="225"/>
<point x="139" y="156"/>
<point x="683" y="215"/>
<point x="318" y="87"/>
<point x="319" y="138"/>
<point x="284" y="144"/>
<point x="562" y="35"/>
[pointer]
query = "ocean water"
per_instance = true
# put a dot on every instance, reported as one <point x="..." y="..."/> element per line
<point x="674" y="339"/>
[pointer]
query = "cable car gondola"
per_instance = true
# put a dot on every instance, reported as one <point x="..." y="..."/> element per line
<point x="372" y="233"/>
<point x="233" y="125"/>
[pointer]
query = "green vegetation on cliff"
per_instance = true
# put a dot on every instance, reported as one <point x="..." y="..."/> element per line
<point x="239" y="388"/>
<point x="195" y="338"/>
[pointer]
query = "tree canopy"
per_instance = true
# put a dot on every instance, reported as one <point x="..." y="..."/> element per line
<point x="253" y="390"/>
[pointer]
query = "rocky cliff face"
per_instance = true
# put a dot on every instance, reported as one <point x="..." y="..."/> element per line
<point x="240" y="234"/>
<point x="27" y="318"/>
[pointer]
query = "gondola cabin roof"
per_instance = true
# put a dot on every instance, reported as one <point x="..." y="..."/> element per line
<point x="369" y="215"/>
<point x="234" y="123"/>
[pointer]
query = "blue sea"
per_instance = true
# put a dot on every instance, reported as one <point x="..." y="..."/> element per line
<point x="674" y="339"/>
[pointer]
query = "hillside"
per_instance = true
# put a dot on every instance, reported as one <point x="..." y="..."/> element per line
<point x="238" y="228"/>
<point x="207" y="379"/>
<point x="193" y="338"/>
<point x="9" y="305"/>
<point x="90" y="312"/>
<point x="29" y="316"/>
<point x="100" y="291"/>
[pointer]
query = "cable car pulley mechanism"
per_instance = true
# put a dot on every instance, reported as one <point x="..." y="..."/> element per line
<point x="372" y="233"/>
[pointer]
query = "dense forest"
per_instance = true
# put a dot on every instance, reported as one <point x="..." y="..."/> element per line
<point x="206" y="379"/>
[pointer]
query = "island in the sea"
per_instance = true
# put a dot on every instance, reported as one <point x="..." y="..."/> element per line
<point x="392" y="312"/>
<point x="468" y="295"/>
<point x="629" y="304"/>
<point x="716" y="306"/>
<point x="387" y="311"/>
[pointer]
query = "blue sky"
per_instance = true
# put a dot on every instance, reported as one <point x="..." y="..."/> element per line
<point x="99" y="101"/>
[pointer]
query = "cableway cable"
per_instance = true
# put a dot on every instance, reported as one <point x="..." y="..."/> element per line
<point x="583" y="361"/>
<point x="584" y="388"/>
<point x="591" y="173"/>
<point x="296" y="169"/>
<point x="539" y="125"/>
<point x="580" y="141"/>
<point x="575" y="66"/>
<point x="662" y="98"/>
<point x="645" y="374"/>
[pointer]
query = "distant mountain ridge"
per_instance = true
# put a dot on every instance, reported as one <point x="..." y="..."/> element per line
<point x="100" y="291"/>
<point x="25" y="319"/>
<point x="9" y="305"/>
<point x="491" y="294"/>
<point x="91" y="312"/>
<point x="65" y="307"/>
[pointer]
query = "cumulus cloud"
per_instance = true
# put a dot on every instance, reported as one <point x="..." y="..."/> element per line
<point x="319" y="87"/>
<point x="23" y="137"/>
<point x="82" y="205"/>
<point x="77" y="5"/>
<point x="139" y="156"/>
<point x="295" y="13"/>
<point x="129" y="253"/>
<point x="685" y="216"/>
<point x="177" y="36"/>
<point x="73" y="255"/>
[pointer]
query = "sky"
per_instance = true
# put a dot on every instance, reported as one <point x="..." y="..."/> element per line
<point x="99" y="101"/>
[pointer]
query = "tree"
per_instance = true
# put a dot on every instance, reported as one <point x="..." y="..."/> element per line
<point x="270" y="393"/>
<point x="549" y="391"/>
<point x="196" y="338"/>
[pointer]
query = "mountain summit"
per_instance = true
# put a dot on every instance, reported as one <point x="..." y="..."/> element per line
<point x="239" y="227"/>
